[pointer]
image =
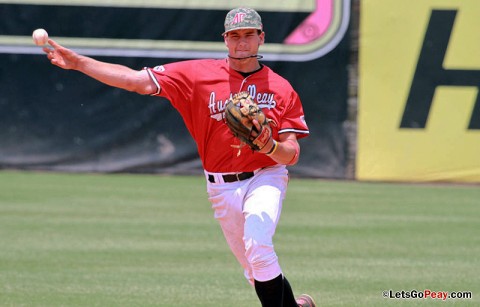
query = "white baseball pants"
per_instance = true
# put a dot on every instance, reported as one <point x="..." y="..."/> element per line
<point x="248" y="212"/>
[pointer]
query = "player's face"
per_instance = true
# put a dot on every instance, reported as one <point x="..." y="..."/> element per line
<point x="244" y="42"/>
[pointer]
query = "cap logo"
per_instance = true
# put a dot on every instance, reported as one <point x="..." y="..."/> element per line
<point x="242" y="18"/>
<point x="239" y="17"/>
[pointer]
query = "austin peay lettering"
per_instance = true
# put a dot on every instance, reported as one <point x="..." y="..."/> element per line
<point x="264" y="100"/>
<point x="217" y="106"/>
<point x="430" y="73"/>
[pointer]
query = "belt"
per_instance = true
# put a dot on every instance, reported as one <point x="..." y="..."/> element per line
<point x="232" y="177"/>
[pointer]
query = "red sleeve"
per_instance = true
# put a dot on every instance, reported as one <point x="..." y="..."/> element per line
<point x="174" y="82"/>
<point x="293" y="120"/>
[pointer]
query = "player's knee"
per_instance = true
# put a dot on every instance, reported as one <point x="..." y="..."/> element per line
<point x="260" y="255"/>
<point x="263" y="261"/>
<point x="259" y="251"/>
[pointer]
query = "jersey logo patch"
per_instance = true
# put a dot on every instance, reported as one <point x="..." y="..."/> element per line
<point x="160" y="68"/>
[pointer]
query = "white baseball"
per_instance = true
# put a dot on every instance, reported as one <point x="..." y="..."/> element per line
<point x="40" y="37"/>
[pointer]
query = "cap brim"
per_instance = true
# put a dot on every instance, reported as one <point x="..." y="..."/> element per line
<point x="240" y="28"/>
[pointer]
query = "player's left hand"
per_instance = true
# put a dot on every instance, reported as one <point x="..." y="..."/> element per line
<point x="264" y="139"/>
<point x="248" y="123"/>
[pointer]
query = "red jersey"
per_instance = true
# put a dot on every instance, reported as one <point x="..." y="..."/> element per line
<point x="199" y="90"/>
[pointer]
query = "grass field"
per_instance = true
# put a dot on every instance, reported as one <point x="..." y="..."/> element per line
<point x="143" y="240"/>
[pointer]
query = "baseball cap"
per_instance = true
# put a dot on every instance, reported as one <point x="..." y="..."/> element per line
<point x="242" y="18"/>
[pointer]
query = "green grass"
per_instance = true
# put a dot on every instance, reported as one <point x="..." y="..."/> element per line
<point x="142" y="240"/>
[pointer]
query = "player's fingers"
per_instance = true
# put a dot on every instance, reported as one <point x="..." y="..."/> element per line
<point x="50" y="52"/>
<point x="51" y="57"/>
<point x="46" y="50"/>
<point x="256" y="124"/>
<point x="54" y="44"/>
<point x="57" y="62"/>
<point x="255" y="129"/>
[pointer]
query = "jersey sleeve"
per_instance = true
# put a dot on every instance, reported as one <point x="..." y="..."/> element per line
<point x="174" y="81"/>
<point x="293" y="120"/>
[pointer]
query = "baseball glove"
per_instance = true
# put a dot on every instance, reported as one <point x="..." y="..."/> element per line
<point x="247" y="121"/>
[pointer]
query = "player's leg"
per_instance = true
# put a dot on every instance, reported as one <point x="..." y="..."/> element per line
<point x="275" y="292"/>
<point x="234" y="238"/>
<point x="227" y="203"/>
<point x="262" y="211"/>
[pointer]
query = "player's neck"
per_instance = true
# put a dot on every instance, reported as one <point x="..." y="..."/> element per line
<point x="244" y="66"/>
<point x="246" y="74"/>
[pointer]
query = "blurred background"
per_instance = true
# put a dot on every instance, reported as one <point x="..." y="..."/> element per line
<point x="390" y="90"/>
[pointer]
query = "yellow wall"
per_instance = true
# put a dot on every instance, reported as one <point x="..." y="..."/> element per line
<point x="391" y="38"/>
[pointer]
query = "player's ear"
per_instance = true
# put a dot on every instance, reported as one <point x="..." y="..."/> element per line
<point x="225" y="39"/>
<point x="261" y="37"/>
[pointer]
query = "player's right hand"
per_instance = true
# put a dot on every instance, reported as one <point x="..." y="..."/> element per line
<point x="61" y="56"/>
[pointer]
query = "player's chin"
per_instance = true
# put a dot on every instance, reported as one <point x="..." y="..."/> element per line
<point x="243" y="54"/>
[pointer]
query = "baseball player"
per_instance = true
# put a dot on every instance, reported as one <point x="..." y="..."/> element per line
<point x="245" y="187"/>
